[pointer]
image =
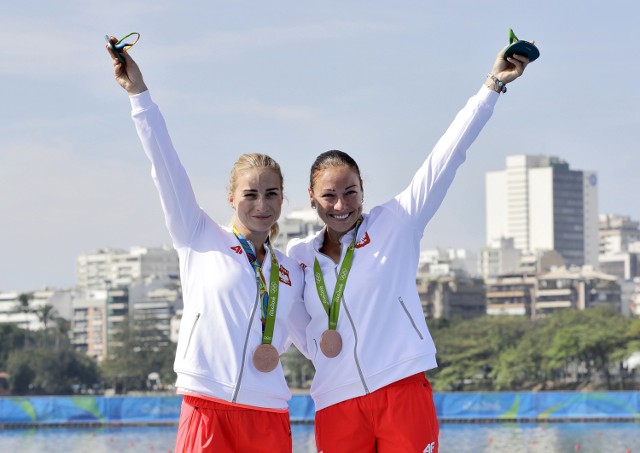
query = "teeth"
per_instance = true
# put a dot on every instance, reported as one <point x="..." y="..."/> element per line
<point x="341" y="217"/>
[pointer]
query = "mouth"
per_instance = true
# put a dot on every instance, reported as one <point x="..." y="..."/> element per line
<point x="340" y="216"/>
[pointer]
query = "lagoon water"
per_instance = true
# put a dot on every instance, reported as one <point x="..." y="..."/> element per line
<point x="454" y="438"/>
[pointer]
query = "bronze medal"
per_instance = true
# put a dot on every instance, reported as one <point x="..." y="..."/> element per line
<point x="266" y="358"/>
<point x="330" y="343"/>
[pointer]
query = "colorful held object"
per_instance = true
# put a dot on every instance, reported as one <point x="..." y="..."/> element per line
<point x="521" y="47"/>
<point x="120" y="47"/>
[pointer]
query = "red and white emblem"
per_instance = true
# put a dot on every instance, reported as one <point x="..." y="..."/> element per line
<point x="364" y="241"/>
<point x="237" y="249"/>
<point x="284" y="276"/>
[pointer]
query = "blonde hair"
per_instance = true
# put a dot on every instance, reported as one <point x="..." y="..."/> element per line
<point x="256" y="161"/>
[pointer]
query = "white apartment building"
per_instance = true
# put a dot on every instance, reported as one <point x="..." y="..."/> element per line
<point x="31" y="316"/>
<point x="617" y="233"/>
<point x="89" y="323"/>
<point x="543" y="205"/>
<point x="106" y="280"/>
<point x="500" y="257"/>
<point x="112" y="268"/>
<point x="156" y="300"/>
<point x="450" y="261"/>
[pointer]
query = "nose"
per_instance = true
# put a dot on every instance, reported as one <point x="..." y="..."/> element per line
<point x="261" y="203"/>
<point x="339" y="205"/>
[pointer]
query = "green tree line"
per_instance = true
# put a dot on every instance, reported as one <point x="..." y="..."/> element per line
<point x="569" y="350"/>
<point x="45" y="362"/>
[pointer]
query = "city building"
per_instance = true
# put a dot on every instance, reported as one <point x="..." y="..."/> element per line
<point x="577" y="288"/>
<point x="451" y="296"/>
<point x="116" y="286"/>
<point x="112" y="268"/>
<point x="154" y="301"/>
<point x="297" y="224"/>
<point x="539" y="262"/>
<point x="89" y="323"/>
<point x="619" y="246"/>
<point x="451" y="261"/>
<point x="35" y="310"/>
<point x="499" y="257"/>
<point x="616" y="233"/>
<point x="544" y="205"/>
<point x="511" y="294"/>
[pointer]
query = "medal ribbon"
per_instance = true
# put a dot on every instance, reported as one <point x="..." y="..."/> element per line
<point x="334" y="309"/>
<point x="268" y="296"/>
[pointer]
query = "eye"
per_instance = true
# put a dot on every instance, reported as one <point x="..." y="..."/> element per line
<point x="272" y="194"/>
<point x="327" y="195"/>
<point x="250" y="195"/>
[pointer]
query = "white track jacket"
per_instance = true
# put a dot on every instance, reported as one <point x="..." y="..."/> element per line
<point x="220" y="327"/>
<point x="384" y="333"/>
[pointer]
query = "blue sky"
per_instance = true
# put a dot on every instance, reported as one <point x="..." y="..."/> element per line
<point x="379" y="80"/>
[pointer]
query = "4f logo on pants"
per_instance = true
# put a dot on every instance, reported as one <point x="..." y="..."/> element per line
<point x="431" y="448"/>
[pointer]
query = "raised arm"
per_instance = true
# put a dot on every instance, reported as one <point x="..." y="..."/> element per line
<point x="427" y="190"/>
<point x="183" y="216"/>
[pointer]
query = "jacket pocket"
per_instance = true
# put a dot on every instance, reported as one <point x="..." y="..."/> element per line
<point x="193" y="328"/>
<point x="415" y="327"/>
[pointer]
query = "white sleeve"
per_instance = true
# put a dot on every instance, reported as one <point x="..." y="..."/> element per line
<point x="298" y="321"/>
<point x="182" y="214"/>
<point x="420" y="201"/>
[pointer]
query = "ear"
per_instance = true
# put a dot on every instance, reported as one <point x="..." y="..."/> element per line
<point x="230" y="200"/>
<point x="311" y="200"/>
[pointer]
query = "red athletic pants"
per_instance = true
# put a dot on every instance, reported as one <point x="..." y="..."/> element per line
<point x="210" y="427"/>
<point x="398" y="418"/>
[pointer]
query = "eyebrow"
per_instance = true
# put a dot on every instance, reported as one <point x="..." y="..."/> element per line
<point x="346" y="188"/>
<point x="256" y="190"/>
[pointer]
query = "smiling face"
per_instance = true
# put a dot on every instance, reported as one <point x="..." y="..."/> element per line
<point x="337" y="195"/>
<point x="257" y="200"/>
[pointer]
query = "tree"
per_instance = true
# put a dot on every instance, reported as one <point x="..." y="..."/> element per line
<point x="587" y="340"/>
<point x="45" y="314"/>
<point x="138" y="349"/>
<point x="12" y="338"/>
<point x="53" y="368"/>
<point x="468" y="350"/>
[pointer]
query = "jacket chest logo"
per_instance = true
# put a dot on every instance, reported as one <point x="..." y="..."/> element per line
<point x="237" y="249"/>
<point x="366" y="240"/>
<point x="284" y="275"/>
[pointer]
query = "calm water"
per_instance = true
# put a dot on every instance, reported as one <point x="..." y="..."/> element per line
<point x="455" y="438"/>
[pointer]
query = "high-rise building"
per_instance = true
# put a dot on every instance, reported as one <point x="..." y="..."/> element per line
<point x="544" y="205"/>
<point x="105" y="280"/>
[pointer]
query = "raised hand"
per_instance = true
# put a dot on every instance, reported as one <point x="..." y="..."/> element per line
<point x="127" y="75"/>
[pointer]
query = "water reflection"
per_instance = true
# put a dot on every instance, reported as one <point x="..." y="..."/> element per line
<point x="454" y="438"/>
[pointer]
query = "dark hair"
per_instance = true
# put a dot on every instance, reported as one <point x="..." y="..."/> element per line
<point x="333" y="158"/>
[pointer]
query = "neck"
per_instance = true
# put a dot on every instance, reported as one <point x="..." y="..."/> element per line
<point x="333" y="237"/>
<point x="257" y="238"/>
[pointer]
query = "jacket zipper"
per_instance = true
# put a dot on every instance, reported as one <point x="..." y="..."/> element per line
<point x="193" y="328"/>
<point x="355" y="335"/>
<point x="404" y="307"/>
<point x="246" y="342"/>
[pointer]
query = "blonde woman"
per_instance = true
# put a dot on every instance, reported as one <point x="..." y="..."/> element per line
<point x="238" y="294"/>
